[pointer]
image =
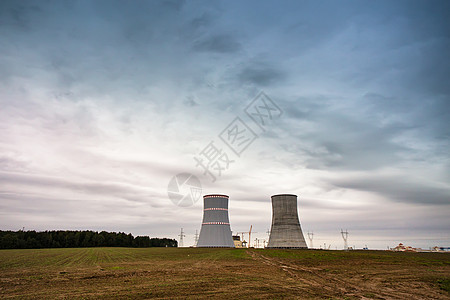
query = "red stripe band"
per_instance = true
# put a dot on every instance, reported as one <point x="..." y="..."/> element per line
<point x="216" y="196"/>
<point x="215" y="223"/>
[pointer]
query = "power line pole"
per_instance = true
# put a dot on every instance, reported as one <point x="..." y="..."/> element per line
<point x="345" y="237"/>
<point x="310" y="236"/>
<point x="196" y="238"/>
<point x="181" y="235"/>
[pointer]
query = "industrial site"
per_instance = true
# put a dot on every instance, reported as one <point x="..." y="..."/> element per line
<point x="285" y="233"/>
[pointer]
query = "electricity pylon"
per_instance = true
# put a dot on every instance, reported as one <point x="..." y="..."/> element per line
<point x="196" y="238"/>
<point x="345" y="236"/>
<point x="181" y="235"/>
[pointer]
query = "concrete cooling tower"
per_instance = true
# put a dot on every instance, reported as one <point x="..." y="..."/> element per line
<point x="286" y="231"/>
<point x="216" y="231"/>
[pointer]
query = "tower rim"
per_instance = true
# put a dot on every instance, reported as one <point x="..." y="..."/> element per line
<point x="215" y="195"/>
<point x="277" y="195"/>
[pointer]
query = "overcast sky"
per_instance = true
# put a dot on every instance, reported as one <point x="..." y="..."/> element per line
<point x="103" y="102"/>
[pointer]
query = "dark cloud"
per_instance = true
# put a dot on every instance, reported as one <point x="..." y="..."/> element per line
<point x="399" y="188"/>
<point x="202" y="21"/>
<point x="113" y="43"/>
<point x="12" y="163"/>
<point x="423" y="118"/>
<point x="338" y="139"/>
<point x="17" y="15"/>
<point x="260" y="74"/>
<point x="190" y="101"/>
<point x="219" y="43"/>
<point x="112" y="190"/>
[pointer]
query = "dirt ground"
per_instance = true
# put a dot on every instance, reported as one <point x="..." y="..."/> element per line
<point x="169" y="273"/>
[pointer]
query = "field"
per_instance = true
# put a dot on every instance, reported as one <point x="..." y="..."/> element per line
<point x="222" y="273"/>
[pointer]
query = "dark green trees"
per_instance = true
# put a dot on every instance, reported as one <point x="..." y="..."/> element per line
<point x="71" y="239"/>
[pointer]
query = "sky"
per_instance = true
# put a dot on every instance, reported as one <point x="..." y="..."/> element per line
<point x="102" y="103"/>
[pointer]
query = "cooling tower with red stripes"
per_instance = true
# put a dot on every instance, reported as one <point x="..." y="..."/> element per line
<point x="215" y="231"/>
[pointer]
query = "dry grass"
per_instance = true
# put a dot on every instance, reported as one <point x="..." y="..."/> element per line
<point x="222" y="273"/>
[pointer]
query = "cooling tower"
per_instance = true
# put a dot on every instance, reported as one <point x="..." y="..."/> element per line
<point x="286" y="231"/>
<point x="216" y="231"/>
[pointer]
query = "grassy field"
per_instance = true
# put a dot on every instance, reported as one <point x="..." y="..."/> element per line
<point x="222" y="273"/>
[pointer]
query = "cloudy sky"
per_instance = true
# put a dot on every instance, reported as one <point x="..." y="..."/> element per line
<point x="103" y="102"/>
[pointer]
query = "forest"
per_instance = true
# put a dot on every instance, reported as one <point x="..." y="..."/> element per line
<point x="74" y="239"/>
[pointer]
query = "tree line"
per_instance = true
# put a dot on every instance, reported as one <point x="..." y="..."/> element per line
<point x="73" y="239"/>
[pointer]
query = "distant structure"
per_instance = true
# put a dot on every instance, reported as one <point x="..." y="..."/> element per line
<point x="404" y="248"/>
<point x="345" y="237"/>
<point x="249" y="236"/>
<point x="440" y="249"/>
<point x="238" y="243"/>
<point x="181" y="235"/>
<point x="215" y="231"/>
<point x="285" y="231"/>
